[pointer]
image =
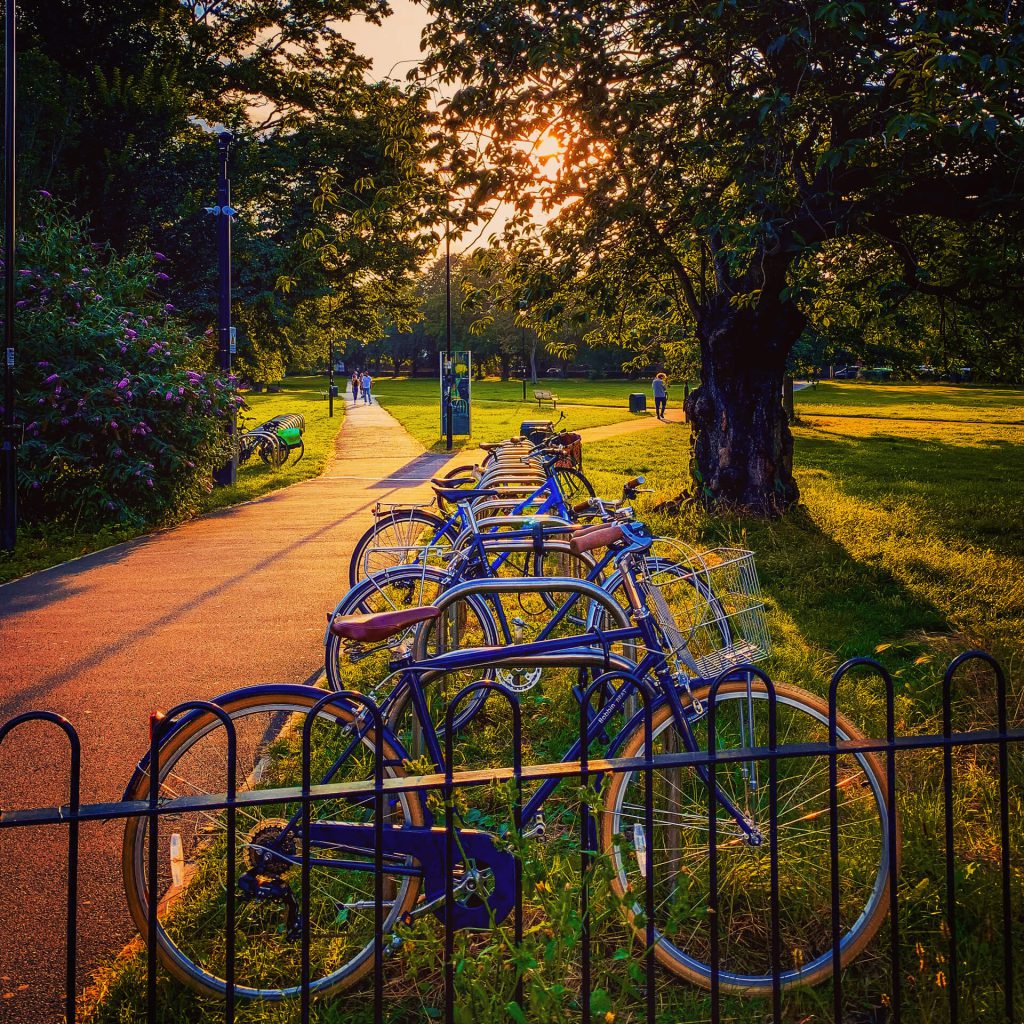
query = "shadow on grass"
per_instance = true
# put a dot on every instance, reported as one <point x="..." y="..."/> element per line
<point x="968" y="492"/>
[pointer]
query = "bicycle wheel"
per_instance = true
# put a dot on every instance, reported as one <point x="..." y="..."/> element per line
<point x="468" y="623"/>
<point x="399" y="537"/>
<point x="678" y="852"/>
<point x="272" y="451"/>
<point x="573" y="485"/>
<point x="192" y="906"/>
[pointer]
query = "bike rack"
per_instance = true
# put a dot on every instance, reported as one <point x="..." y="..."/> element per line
<point x="598" y="598"/>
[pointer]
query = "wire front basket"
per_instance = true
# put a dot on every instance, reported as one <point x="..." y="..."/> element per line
<point x="708" y="607"/>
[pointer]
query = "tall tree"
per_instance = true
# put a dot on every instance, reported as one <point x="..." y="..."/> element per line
<point x="328" y="175"/>
<point x="720" y="144"/>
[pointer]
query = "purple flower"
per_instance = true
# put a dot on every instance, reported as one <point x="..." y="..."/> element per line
<point x="168" y="308"/>
<point x="21" y="303"/>
<point x="149" y="483"/>
<point x="25" y="273"/>
<point x="64" y="421"/>
<point x="51" y="378"/>
<point x="129" y="333"/>
<point x="45" y="194"/>
<point x="111" y="505"/>
<point x="163" y="277"/>
<point x="159" y="257"/>
<point x="33" y="427"/>
<point x="181" y="390"/>
<point x="35" y="485"/>
<point x="130" y="395"/>
<point x="113" y="424"/>
<point x="122" y="383"/>
<point x="42" y="364"/>
<point x="169" y="395"/>
<point x="194" y="377"/>
<point x="86" y="270"/>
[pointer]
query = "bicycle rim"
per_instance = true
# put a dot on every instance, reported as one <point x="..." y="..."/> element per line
<point x="191" y="921"/>
<point x="678" y="852"/>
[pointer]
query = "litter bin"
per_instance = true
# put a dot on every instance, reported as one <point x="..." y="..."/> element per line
<point x="638" y="402"/>
<point x="334" y="391"/>
<point x="536" y="430"/>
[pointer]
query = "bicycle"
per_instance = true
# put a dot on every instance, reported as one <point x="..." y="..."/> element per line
<point x="489" y="549"/>
<point x="404" y="529"/>
<point x="339" y="832"/>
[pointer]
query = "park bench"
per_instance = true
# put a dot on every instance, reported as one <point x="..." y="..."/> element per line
<point x="543" y="396"/>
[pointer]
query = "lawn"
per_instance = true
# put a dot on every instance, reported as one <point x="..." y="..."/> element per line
<point x="498" y="406"/>
<point x="907" y="546"/>
<point x="41" y="547"/>
<point x="935" y="402"/>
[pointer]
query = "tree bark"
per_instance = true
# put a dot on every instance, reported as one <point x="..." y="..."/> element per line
<point x="742" y="447"/>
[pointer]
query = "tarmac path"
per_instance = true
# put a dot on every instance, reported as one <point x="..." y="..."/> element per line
<point x="236" y="597"/>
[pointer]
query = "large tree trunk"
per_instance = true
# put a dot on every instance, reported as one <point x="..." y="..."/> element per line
<point x="742" y="447"/>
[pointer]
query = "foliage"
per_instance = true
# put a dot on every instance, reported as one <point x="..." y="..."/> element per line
<point x="327" y="171"/>
<point x="126" y="421"/>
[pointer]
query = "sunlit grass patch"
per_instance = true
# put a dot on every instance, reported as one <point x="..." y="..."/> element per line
<point x="498" y="408"/>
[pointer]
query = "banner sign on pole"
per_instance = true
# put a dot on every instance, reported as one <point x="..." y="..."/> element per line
<point x="456" y="387"/>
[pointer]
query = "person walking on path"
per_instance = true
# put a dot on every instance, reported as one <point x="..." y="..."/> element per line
<point x="367" y="382"/>
<point x="355" y="386"/>
<point x="660" y="387"/>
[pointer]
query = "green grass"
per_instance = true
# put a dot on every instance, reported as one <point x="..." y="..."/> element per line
<point x="936" y="402"/>
<point x="498" y="406"/>
<point x="42" y="547"/>
<point x="908" y="547"/>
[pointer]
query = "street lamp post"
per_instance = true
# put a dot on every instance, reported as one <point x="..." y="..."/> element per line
<point x="522" y="322"/>
<point x="8" y="452"/>
<point x="227" y="474"/>
<point x="447" y="376"/>
<point x="330" y="363"/>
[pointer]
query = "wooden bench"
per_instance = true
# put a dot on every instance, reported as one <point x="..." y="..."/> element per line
<point x="546" y="396"/>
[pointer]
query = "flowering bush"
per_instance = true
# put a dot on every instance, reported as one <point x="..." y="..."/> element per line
<point x="124" y="422"/>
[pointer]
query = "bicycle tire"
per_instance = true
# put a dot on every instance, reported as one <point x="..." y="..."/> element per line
<point x="682" y="800"/>
<point x="409" y="587"/>
<point x="573" y="485"/>
<point x="189" y="943"/>
<point x="397" y="529"/>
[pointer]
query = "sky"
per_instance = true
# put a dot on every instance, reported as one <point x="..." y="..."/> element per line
<point x="394" y="46"/>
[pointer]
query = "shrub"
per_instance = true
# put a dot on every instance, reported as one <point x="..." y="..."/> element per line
<point x="124" y="421"/>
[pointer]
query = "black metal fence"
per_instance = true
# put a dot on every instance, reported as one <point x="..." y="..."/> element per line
<point x="647" y="996"/>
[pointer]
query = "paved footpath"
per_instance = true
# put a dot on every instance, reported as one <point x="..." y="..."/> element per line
<point x="236" y="597"/>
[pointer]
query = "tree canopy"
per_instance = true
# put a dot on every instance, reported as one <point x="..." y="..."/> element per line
<point x="328" y="171"/>
<point x="712" y="154"/>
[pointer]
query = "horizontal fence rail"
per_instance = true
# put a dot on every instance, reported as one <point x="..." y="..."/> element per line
<point x="587" y="774"/>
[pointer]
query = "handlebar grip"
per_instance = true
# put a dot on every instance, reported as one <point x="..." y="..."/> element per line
<point x="637" y="481"/>
<point x="582" y="506"/>
<point x="600" y="537"/>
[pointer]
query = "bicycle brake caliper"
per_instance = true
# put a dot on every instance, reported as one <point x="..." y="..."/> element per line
<point x="684" y="684"/>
